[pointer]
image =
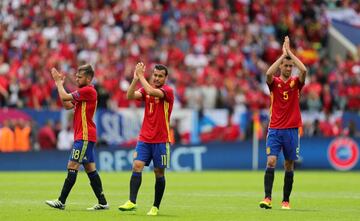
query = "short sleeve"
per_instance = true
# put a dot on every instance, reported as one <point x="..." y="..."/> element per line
<point x="300" y="85"/>
<point x="271" y="86"/>
<point x="84" y="94"/>
<point x="142" y="91"/>
<point x="168" y="93"/>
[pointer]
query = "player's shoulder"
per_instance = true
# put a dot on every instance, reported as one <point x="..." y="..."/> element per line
<point x="89" y="92"/>
<point x="89" y="88"/>
<point x="167" y="87"/>
<point x="276" y="79"/>
<point x="295" y="78"/>
<point x="167" y="90"/>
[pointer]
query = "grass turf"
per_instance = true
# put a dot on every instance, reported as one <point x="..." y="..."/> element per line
<point x="215" y="195"/>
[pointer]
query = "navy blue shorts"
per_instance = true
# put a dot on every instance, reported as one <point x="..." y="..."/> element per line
<point x="83" y="152"/>
<point x="159" y="153"/>
<point x="286" y="140"/>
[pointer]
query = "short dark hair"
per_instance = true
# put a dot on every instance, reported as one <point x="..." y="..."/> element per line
<point x="161" y="67"/>
<point x="87" y="69"/>
<point x="287" y="57"/>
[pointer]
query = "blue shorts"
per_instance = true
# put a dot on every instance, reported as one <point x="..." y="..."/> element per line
<point x="286" y="140"/>
<point x="83" y="152"/>
<point x="159" y="153"/>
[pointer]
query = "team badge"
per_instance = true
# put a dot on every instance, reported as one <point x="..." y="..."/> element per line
<point x="343" y="153"/>
<point x="76" y="94"/>
<point x="135" y="154"/>
<point x="292" y="83"/>
<point x="268" y="150"/>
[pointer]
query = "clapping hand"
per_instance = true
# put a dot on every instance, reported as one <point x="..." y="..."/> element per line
<point x="284" y="49"/>
<point x="58" y="77"/>
<point x="286" y="45"/>
<point x="139" y="70"/>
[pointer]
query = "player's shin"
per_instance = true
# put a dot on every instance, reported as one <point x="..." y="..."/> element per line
<point x="288" y="183"/>
<point x="96" y="185"/>
<point x="159" y="191"/>
<point x="68" y="184"/>
<point x="135" y="183"/>
<point x="268" y="181"/>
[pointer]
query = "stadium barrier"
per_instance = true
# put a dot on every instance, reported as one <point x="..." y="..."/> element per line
<point x="340" y="153"/>
<point x="123" y="126"/>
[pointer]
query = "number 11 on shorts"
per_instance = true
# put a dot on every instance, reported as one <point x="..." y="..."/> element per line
<point x="164" y="160"/>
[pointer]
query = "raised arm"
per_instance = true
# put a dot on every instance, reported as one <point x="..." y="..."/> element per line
<point x="65" y="97"/>
<point x="131" y="93"/>
<point x="274" y="67"/>
<point x="298" y="63"/>
<point x="139" y="71"/>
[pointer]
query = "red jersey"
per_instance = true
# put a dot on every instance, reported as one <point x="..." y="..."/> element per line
<point x="85" y="100"/>
<point x="156" y="124"/>
<point x="284" y="107"/>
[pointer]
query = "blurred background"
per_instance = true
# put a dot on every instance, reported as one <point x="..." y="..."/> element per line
<point x="217" y="53"/>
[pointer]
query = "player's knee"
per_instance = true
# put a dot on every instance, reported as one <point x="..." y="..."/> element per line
<point x="288" y="169"/>
<point x="137" y="166"/>
<point x="72" y="165"/>
<point x="159" y="172"/>
<point x="89" y="167"/>
<point x="289" y="165"/>
<point x="271" y="163"/>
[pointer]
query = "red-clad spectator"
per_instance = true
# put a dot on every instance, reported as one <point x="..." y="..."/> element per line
<point x="46" y="137"/>
<point x="326" y="99"/>
<point x="175" y="56"/>
<point x="326" y="129"/>
<point x="313" y="86"/>
<point x="272" y="49"/>
<point x="353" y="92"/>
<point x="197" y="38"/>
<point x="231" y="132"/>
<point x="3" y="90"/>
<point x="40" y="94"/>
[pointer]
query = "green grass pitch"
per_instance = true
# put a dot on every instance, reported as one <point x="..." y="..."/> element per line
<point x="190" y="196"/>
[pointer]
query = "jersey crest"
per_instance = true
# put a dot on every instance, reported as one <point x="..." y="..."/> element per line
<point x="292" y="83"/>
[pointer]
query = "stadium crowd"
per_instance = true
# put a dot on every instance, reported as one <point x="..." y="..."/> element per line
<point x="217" y="51"/>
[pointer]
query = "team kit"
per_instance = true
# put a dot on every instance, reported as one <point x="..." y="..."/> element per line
<point x="154" y="138"/>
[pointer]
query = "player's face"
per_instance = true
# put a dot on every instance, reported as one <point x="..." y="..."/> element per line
<point x="81" y="79"/>
<point x="286" y="67"/>
<point x="158" y="78"/>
